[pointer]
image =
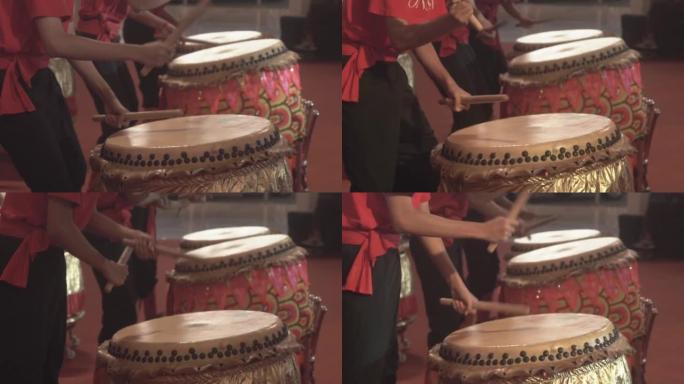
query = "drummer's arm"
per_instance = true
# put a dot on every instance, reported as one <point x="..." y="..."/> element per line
<point x="513" y="11"/>
<point x="404" y="36"/>
<point x="64" y="233"/>
<point x="95" y="82"/>
<point x="427" y="56"/>
<point x="487" y="204"/>
<point x="102" y="225"/>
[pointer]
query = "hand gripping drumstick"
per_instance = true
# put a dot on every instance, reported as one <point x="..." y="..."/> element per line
<point x="162" y="250"/>
<point x="197" y="41"/>
<point x="473" y="21"/>
<point x="182" y="25"/>
<point x="123" y="260"/>
<point x="478" y="99"/>
<point x="518" y="205"/>
<point x="490" y="306"/>
<point x="146" y="115"/>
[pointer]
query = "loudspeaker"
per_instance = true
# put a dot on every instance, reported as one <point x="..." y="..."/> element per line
<point x="634" y="28"/>
<point x="667" y="23"/>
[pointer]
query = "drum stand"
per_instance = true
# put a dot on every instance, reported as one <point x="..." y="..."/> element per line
<point x="641" y="342"/>
<point x="310" y="341"/>
<point x="299" y="176"/>
<point x="643" y="146"/>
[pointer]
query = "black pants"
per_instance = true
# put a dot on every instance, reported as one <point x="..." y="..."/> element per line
<point x="442" y="320"/>
<point x="492" y="61"/>
<point x="483" y="266"/>
<point x="465" y="68"/>
<point x="33" y="320"/>
<point x="138" y="33"/>
<point x="116" y="74"/>
<point x="369" y="339"/>
<point x="42" y="144"/>
<point x="386" y="138"/>
<point x="118" y="306"/>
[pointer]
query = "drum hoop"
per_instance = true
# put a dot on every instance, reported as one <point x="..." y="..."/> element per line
<point x="618" y="261"/>
<point x="289" y="257"/>
<point x="203" y="78"/>
<point x="470" y="371"/>
<point x="251" y="258"/>
<point x="557" y="74"/>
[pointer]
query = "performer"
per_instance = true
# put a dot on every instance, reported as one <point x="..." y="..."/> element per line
<point x="459" y="58"/>
<point x="487" y="46"/>
<point x="35" y="230"/>
<point x="136" y="31"/>
<point x="386" y="138"/>
<point x="371" y="224"/>
<point x="101" y="20"/>
<point x="37" y="130"/>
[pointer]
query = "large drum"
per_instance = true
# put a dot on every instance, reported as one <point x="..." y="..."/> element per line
<point x="257" y="77"/>
<point x="600" y="76"/>
<point x="532" y="42"/>
<point x="598" y="276"/>
<point x="215" y="38"/>
<point x="217" y="347"/>
<point x="219" y="235"/>
<point x="549" y="238"/>
<point x="262" y="273"/>
<point x="196" y="154"/>
<point x="559" y="152"/>
<point x="534" y="349"/>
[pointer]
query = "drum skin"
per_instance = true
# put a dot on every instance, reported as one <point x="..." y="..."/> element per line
<point x="601" y="82"/>
<point x="282" y="290"/>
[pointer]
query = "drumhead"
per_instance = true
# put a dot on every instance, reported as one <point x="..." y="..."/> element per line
<point x="565" y="251"/>
<point x="241" y="54"/>
<point x="200" y="339"/>
<point x="542" y="239"/>
<point x="191" y="142"/>
<point x="531" y="141"/>
<point x="226" y="37"/>
<point x="546" y="39"/>
<point x="219" y="235"/>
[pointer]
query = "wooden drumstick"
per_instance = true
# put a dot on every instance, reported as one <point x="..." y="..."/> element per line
<point x="490" y="306"/>
<point x="518" y="205"/>
<point x="146" y="115"/>
<point x="477" y="99"/>
<point x="183" y="24"/>
<point x="162" y="250"/>
<point x="123" y="260"/>
<point x="197" y="41"/>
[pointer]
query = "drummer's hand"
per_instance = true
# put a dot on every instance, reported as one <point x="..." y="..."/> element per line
<point x="115" y="273"/>
<point x="499" y="229"/>
<point x="114" y="111"/>
<point x="456" y="94"/>
<point x="142" y="243"/>
<point x="155" y="54"/>
<point x="523" y="229"/>
<point x="463" y="299"/>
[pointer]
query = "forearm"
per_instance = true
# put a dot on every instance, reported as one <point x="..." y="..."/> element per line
<point x="427" y="56"/>
<point x="148" y="18"/>
<point x="439" y="256"/>
<point x="95" y="81"/>
<point x="406" y="219"/>
<point x="404" y="36"/>
<point x="102" y="225"/>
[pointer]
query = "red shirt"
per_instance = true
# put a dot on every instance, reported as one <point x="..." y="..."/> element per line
<point x="116" y="207"/>
<point x="102" y="18"/>
<point x="449" y="43"/>
<point x="24" y="215"/>
<point x="21" y="51"/>
<point x="366" y="222"/>
<point x="364" y="34"/>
